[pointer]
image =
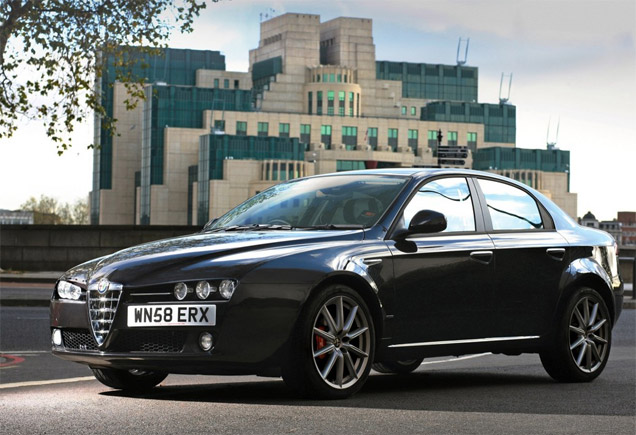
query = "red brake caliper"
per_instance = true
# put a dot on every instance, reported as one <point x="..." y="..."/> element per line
<point x="320" y="342"/>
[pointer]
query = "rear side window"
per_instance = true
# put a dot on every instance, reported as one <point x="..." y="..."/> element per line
<point x="450" y="196"/>
<point x="510" y="208"/>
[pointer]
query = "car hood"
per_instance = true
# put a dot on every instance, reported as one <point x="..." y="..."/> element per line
<point x="230" y="254"/>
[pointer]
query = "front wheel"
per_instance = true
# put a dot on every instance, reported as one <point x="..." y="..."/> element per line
<point x="130" y="380"/>
<point x="333" y="345"/>
<point x="581" y="344"/>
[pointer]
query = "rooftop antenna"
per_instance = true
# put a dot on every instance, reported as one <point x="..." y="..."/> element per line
<point x="459" y="46"/>
<point x="553" y="145"/>
<point x="504" y="100"/>
<point x="269" y="13"/>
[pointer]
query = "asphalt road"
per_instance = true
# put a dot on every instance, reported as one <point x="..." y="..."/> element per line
<point x="478" y="394"/>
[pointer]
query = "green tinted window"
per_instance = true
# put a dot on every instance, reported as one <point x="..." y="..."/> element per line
<point x="510" y="208"/>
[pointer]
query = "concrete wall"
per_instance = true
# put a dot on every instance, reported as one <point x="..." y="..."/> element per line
<point x="60" y="247"/>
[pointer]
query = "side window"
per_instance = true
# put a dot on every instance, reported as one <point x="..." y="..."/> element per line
<point x="510" y="208"/>
<point x="450" y="196"/>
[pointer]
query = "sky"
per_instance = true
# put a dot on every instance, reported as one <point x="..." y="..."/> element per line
<point x="572" y="62"/>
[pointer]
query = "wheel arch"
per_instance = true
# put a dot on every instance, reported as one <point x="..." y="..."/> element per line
<point x="360" y="286"/>
<point x="587" y="273"/>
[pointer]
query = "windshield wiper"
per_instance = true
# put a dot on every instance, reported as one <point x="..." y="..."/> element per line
<point x="252" y="227"/>
<point x="332" y="227"/>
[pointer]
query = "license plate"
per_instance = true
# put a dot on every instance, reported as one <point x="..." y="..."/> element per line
<point x="171" y="315"/>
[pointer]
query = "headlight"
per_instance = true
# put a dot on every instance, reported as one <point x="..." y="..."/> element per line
<point x="66" y="290"/>
<point x="204" y="289"/>
<point x="180" y="291"/>
<point x="227" y="288"/>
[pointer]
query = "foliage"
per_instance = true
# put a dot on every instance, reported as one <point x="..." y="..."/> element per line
<point x="48" y="210"/>
<point x="52" y="50"/>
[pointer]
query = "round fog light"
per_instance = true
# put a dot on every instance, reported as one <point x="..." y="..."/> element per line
<point x="205" y="341"/>
<point x="203" y="289"/>
<point x="180" y="291"/>
<point x="227" y="288"/>
<point x="57" y="337"/>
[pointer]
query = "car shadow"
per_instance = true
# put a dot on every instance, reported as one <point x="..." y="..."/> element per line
<point x="453" y="390"/>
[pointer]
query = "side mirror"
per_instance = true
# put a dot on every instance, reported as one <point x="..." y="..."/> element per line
<point x="426" y="222"/>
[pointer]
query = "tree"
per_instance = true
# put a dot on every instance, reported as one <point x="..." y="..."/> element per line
<point x="51" y="51"/>
<point x="48" y="210"/>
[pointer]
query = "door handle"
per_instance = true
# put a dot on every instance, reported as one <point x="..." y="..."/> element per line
<point x="556" y="253"/>
<point x="482" y="256"/>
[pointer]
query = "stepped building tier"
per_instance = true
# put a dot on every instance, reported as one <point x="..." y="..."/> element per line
<point x="315" y="100"/>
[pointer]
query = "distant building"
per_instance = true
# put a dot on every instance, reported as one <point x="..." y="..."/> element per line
<point x="613" y="227"/>
<point x="628" y="221"/>
<point x="314" y="100"/>
<point x="17" y="217"/>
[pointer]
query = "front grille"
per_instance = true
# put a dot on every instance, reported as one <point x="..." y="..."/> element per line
<point x="80" y="339"/>
<point x="102" y="309"/>
<point x="150" y="341"/>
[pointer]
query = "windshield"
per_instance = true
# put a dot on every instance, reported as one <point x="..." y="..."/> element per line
<point x="330" y="202"/>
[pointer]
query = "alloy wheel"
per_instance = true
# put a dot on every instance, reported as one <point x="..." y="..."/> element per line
<point x="341" y="342"/>
<point x="589" y="335"/>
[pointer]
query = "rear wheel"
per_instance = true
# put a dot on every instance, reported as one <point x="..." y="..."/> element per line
<point x="400" y="367"/>
<point x="581" y="344"/>
<point x="131" y="380"/>
<point x="333" y="345"/>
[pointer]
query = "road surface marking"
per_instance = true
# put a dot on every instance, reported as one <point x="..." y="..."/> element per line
<point x="52" y="381"/>
<point x="11" y="360"/>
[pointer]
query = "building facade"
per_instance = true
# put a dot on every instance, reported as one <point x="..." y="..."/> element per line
<point x="627" y="219"/>
<point x="614" y="227"/>
<point x="315" y="100"/>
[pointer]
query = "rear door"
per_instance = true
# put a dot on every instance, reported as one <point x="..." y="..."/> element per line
<point x="530" y="257"/>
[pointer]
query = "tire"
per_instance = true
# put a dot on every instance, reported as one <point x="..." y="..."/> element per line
<point x="397" y="367"/>
<point x="580" y="346"/>
<point x="332" y="346"/>
<point x="129" y="380"/>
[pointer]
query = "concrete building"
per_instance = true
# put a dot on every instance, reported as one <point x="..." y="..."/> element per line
<point x="627" y="220"/>
<point x="614" y="227"/>
<point x="314" y="100"/>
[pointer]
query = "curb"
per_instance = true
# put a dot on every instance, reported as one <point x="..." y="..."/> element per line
<point x="25" y="303"/>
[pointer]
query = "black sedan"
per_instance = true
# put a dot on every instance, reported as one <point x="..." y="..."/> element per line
<point x="320" y="279"/>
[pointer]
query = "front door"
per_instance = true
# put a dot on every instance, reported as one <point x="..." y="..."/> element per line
<point x="444" y="282"/>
